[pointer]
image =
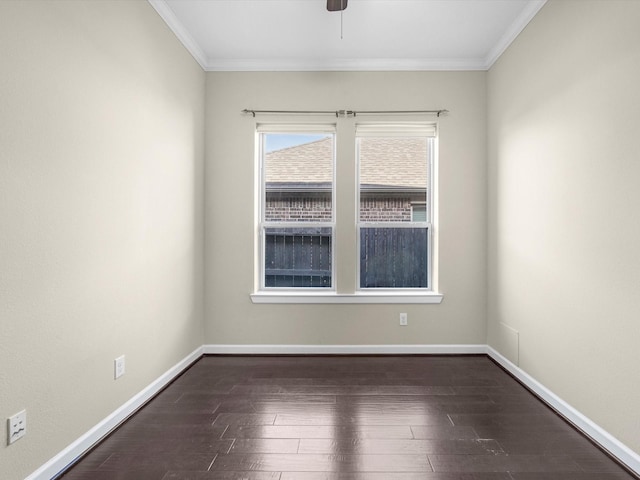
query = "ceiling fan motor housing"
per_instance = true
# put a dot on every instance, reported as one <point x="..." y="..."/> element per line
<point x="336" y="5"/>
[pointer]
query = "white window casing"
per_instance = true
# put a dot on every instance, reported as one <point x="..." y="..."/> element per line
<point x="309" y="294"/>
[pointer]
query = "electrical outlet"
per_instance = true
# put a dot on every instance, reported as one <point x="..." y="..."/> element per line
<point x="404" y="321"/>
<point x="118" y="365"/>
<point x="17" y="426"/>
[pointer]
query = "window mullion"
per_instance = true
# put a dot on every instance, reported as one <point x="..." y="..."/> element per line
<point x="346" y="208"/>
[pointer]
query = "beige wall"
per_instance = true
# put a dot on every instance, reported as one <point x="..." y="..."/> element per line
<point x="101" y="159"/>
<point x="564" y="224"/>
<point x="231" y="318"/>
<point x="102" y="116"/>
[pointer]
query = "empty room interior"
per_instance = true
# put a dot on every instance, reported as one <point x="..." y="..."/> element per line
<point x="137" y="164"/>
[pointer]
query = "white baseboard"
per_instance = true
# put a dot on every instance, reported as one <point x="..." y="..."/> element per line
<point x="344" y="349"/>
<point x="67" y="456"/>
<point x="603" y="438"/>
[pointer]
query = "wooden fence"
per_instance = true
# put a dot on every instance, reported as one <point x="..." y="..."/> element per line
<point x="299" y="257"/>
<point x="393" y="258"/>
<point x="389" y="257"/>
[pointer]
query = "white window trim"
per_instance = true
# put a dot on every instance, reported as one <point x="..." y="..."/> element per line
<point x="387" y="297"/>
<point x="329" y="295"/>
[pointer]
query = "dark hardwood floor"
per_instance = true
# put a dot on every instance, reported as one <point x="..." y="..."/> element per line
<point x="349" y="418"/>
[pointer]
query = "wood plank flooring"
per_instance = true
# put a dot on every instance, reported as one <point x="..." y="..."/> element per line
<point x="346" y="418"/>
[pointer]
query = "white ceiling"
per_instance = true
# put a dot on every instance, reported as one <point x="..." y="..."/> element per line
<point x="237" y="35"/>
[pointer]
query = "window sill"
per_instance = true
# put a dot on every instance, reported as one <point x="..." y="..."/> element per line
<point x="360" y="297"/>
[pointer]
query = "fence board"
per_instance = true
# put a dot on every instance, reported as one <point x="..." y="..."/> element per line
<point x="298" y="257"/>
<point x="393" y="258"/>
<point x="389" y="258"/>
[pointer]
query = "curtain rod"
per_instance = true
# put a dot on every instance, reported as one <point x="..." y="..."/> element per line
<point x="346" y="113"/>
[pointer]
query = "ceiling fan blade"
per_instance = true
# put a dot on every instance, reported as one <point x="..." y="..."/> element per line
<point x="336" y="5"/>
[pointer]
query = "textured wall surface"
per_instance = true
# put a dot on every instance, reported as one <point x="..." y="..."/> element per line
<point x="103" y="211"/>
<point x="231" y="318"/>
<point x="564" y="229"/>
<point x="101" y="134"/>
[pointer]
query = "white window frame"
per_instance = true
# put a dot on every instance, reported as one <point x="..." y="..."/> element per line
<point x="303" y="129"/>
<point x="399" y="130"/>
<point x="324" y="295"/>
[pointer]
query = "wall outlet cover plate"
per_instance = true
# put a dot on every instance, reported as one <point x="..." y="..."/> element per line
<point x="17" y="426"/>
<point x="118" y="365"/>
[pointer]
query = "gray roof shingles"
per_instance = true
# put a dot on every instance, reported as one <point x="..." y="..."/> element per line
<point x="388" y="162"/>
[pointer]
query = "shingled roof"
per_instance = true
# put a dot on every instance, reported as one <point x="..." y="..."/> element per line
<point x="387" y="164"/>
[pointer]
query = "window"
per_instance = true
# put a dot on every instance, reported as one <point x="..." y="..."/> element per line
<point x="393" y="220"/>
<point x="297" y="208"/>
<point x="383" y="238"/>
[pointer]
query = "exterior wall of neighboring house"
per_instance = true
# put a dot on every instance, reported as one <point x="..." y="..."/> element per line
<point x="298" y="180"/>
<point x="313" y="207"/>
<point x="386" y="208"/>
<point x="298" y="207"/>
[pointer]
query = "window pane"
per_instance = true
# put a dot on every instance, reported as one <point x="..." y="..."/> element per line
<point x="299" y="177"/>
<point x="419" y="213"/>
<point x="298" y="257"/>
<point x="393" y="257"/>
<point x="393" y="176"/>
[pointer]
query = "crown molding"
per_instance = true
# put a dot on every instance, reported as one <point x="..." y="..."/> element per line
<point x="513" y="31"/>
<point x="180" y="31"/>
<point x="351" y="64"/>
